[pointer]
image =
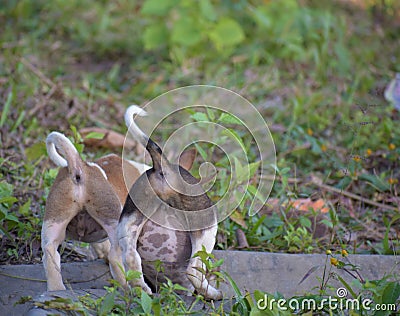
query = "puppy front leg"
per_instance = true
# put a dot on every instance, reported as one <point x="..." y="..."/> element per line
<point x="128" y="234"/>
<point x="52" y="236"/>
<point x="204" y="237"/>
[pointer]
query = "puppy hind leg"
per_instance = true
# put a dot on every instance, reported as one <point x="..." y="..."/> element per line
<point x="114" y="255"/>
<point x="199" y="239"/>
<point x="102" y="249"/>
<point x="128" y="234"/>
<point x="52" y="236"/>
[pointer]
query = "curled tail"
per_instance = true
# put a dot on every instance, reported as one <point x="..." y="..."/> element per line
<point x="56" y="144"/>
<point x="153" y="149"/>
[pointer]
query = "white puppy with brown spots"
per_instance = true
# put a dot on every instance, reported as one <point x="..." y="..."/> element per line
<point x="167" y="217"/>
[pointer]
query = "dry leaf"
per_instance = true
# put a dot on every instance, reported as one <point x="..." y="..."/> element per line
<point x="304" y="205"/>
<point x="241" y="239"/>
<point x="109" y="140"/>
<point x="307" y="205"/>
<point x="301" y="207"/>
<point x="237" y="217"/>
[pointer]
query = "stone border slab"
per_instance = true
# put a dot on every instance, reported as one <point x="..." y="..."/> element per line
<point x="270" y="272"/>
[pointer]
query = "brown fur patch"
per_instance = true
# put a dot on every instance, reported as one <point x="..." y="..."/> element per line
<point x="157" y="240"/>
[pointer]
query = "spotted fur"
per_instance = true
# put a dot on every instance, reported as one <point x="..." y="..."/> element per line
<point x="144" y="240"/>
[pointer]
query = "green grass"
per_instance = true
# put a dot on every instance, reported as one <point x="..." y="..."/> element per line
<point x="316" y="71"/>
<point x="317" y="79"/>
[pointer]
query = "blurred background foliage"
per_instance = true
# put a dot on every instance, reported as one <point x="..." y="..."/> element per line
<point x="316" y="70"/>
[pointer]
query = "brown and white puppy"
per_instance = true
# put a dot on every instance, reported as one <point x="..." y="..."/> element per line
<point x="84" y="203"/>
<point x="151" y="229"/>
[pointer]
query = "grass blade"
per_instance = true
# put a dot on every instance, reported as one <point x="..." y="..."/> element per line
<point x="6" y="109"/>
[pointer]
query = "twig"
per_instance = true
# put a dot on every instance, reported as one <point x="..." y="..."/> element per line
<point x="21" y="277"/>
<point x="353" y="196"/>
<point x="92" y="279"/>
<point x="41" y="280"/>
<point x="318" y="183"/>
<point x="273" y="178"/>
<point x="43" y="103"/>
<point x="42" y="77"/>
<point x="37" y="72"/>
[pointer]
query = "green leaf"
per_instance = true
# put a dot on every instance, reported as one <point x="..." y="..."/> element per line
<point x="233" y="134"/>
<point x="242" y="305"/>
<point x="10" y="200"/>
<point x="284" y="170"/>
<point x="185" y="32"/>
<point x="202" y="254"/>
<point x="391" y="293"/>
<point x="76" y="134"/>
<point x="25" y="208"/>
<point x="36" y="151"/>
<point x="346" y="285"/>
<point x="107" y="304"/>
<point x="385" y="242"/>
<point x="343" y="183"/>
<point x="156" y="307"/>
<point x="79" y="147"/>
<point x="146" y="302"/>
<point x="375" y="181"/>
<point x="114" y="72"/>
<point x="327" y="223"/>
<point x="228" y="118"/>
<point x="179" y="287"/>
<point x="155" y="36"/>
<point x="6" y="189"/>
<point x="12" y="218"/>
<point x="131" y="275"/>
<point x="218" y="263"/>
<point x="18" y="122"/>
<point x="257" y="224"/>
<point x="207" y="10"/>
<point x="210" y="113"/>
<point x="94" y="135"/>
<point x="156" y="7"/>
<point x="256" y="193"/>
<point x="201" y="151"/>
<point x="304" y="221"/>
<point x="309" y="272"/>
<point x="199" y="117"/>
<point x="261" y="18"/>
<point x="253" y="167"/>
<point x="226" y="33"/>
<point x="241" y="172"/>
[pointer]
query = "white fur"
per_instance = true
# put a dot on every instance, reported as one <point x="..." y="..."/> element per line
<point x="52" y="141"/>
<point x="132" y="127"/>
<point x="93" y="164"/>
<point x="141" y="167"/>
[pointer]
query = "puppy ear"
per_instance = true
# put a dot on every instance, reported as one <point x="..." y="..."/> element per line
<point x="187" y="158"/>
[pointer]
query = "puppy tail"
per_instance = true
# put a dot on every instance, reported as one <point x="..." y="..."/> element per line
<point x="153" y="149"/>
<point x="57" y="142"/>
<point x="135" y="131"/>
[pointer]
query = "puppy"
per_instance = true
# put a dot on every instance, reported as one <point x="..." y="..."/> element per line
<point x="85" y="204"/>
<point x="157" y="222"/>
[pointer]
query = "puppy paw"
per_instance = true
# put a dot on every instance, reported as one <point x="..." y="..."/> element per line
<point x="146" y="288"/>
<point x="142" y="285"/>
<point x="213" y="294"/>
<point x="56" y="287"/>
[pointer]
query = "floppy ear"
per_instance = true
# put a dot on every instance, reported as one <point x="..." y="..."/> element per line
<point x="187" y="158"/>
